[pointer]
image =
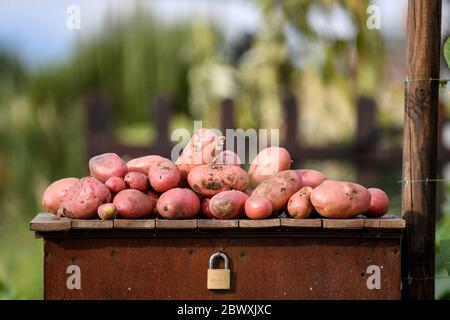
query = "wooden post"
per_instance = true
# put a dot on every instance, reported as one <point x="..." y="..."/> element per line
<point x="227" y="115"/>
<point x="420" y="146"/>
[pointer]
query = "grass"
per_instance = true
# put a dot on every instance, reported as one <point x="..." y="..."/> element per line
<point x="21" y="262"/>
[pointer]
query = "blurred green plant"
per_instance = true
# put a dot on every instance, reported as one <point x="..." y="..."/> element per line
<point x="443" y="228"/>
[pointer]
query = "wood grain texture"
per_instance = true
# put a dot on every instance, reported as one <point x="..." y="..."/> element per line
<point x="300" y="223"/>
<point x="420" y="146"/>
<point x="134" y="224"/>
<point x="262" y="267"/>
<point x="48" y="222"/>
<point x="266" y="223"/>
<point x="92" y="224"/>
<point x="343" y="223"/>
<point x="385" y="223"/>
<point x="217" y="223"/>
<point x="176" y="224"/>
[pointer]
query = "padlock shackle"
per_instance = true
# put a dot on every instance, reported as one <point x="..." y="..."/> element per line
<point x="218" y="255"/>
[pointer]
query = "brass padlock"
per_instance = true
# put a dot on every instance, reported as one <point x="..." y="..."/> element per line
<point x="218" y="278"/>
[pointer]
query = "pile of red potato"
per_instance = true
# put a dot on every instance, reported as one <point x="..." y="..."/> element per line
<point x="210" y="183"/>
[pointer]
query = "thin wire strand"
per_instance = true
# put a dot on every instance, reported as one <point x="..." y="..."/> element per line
<point x="428" y="278"/>
<point x="407" y="181"/>
<point x="429" y="80"/>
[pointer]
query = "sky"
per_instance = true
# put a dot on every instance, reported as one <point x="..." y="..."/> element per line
<point x="36" y="30"/>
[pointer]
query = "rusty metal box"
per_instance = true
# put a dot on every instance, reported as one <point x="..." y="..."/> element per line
<point x="270" y="259"/>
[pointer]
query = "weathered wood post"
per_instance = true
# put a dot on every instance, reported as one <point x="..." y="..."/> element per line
<point x="420" y="146"/>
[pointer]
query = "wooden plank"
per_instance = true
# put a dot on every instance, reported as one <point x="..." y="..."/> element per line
<point x="262" y="267"/>
<point x="372" y="223"/>
<point x="300" y="223"/>
<point x="343" y="223"/>
<point x="176" y="224"/>
<point x="92" y="224"/>
<point x="217" y="223"/>
<point x="134" y="224"/>
<point x="266" y="223"/>
<point x="420" y="146"/>
<point x="393" y="224"/>
<point x="48" y="222"/>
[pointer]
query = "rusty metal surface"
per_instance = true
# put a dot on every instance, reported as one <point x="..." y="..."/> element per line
<point x="263" y="266"/>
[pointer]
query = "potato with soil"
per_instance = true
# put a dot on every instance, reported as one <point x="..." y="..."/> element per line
<point x="154" y="197"/>
<point x="164" y="175"/>
<point x="115" y="184"/>
<point x="228" y="204"/>
<point x="107" y="211"/>
<point x="379" y="203"/>
<point x="83" y="199"/>
<point x="133" y="204"/>
<point x="136" y="180"/>
<point x="267" y="163"/>
<point x="311" y="178"/>
<point x="299" y="205"/>
<point x="51" y="199"/>
<point x="209" y="180"/>
<point x="142" y="164"/>
<point x="107" y="165"/>
<point x="340" y="200"/>
<point x="279" y="188"/>
<point x="201" y="149"/>
<point x="257" y="207"/>
<point x="178" y="203"/>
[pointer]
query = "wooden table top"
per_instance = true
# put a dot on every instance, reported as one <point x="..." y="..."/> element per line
<point x="46" y="222"/>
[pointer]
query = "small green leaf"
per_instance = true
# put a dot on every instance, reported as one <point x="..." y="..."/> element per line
<point x="447" y="51"/>
<point x="443" y="84"/>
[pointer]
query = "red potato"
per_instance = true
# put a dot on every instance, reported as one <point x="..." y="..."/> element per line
<point x="228" y="204"/>
<point x="136" y="180"/>
<point x="83" y="199"/>
<point x="209" y="180"/>
<point x="203" y="147"/>
<point x="379" y="203"/>
<point x="299" y="205"/>
<point x="178" y="203"/>
<point x="142" y="164"/>
<point x="279" y="188"/>
<point x="164" y="175"/>
<point x="267" y="163"/>
<point x="133" y="204"/>
<point x="107" y="165"/>
<point x="206" y="213"/>
<point x="51" y="199"/>
<point x="340" y="200"/>
<point x="115" y="184"/>
<point x="227" y="157"/>
<point x="154" y="197"/>
<point x="311" y="178"/>
<point x="257" y="207"/>
<point x="107" y="211"/>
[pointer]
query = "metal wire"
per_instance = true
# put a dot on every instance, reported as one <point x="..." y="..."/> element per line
<point x="429" y="80"/>
<point x="407" y="181"/>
